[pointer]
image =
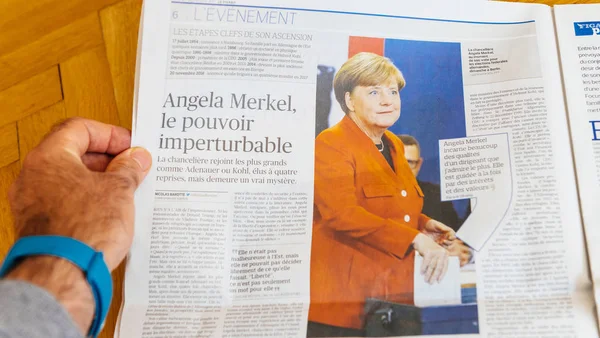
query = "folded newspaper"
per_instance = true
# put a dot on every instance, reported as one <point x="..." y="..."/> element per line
<point x="354" y="169"/>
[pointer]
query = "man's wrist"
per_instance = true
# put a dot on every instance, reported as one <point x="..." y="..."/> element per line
<point x="64" y="280"/>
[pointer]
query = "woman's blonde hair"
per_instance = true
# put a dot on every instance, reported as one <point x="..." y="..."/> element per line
<point x="364" y="69"/>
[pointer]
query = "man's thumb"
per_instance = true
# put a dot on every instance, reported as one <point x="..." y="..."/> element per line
<point x="132" y="164"/>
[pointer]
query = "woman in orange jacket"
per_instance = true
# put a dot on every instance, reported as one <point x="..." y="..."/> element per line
<point x="367" y="209"/>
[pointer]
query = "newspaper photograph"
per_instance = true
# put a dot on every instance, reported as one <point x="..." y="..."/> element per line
<point x="369" y="205"/>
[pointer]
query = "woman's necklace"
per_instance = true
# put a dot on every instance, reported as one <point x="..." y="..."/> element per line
<point x="360" y="125"/>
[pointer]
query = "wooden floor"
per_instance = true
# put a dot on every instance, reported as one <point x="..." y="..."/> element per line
<point x="62" y="58"/>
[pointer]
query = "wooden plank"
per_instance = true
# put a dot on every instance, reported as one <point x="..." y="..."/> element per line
<point x="34" y="127"/>
<point x="120" y="24"/>
<point x="29" y="96"/>
<point x="87" y="87"/>
<point x="23" y="22"/>
<point x="115" y="306"/>
<point x="9" y="144"/>
<point x="50" y="50"/>
<point x="7" y="232"/>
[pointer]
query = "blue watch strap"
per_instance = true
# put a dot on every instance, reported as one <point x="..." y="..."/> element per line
<point x="91" y="262"/>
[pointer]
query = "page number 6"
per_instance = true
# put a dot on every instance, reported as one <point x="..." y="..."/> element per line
<point x="175" y="14"/>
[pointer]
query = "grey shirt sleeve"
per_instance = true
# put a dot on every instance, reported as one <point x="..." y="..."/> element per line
<point x="27" y="311"/>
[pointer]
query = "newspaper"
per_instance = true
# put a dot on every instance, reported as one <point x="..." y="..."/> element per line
<point x="307" y="154"/>
<point x="577" y="31"/>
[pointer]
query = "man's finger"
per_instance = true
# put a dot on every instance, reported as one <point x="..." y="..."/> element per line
<point x="79" y="136"/>
<point x="96" y="162"/>
<point x="131" y="166"/>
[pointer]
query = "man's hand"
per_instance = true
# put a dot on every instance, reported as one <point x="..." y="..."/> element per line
<point x="439" y="232"/>
<point x="79" y="182"/>
<point x="435" y="258"/>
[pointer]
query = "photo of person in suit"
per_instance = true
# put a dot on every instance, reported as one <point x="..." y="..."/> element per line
<point x="433" y="206"/>
<point x="368" y="218"/>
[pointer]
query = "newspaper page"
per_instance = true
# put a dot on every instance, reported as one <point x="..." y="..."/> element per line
<point x="310" y="159"/>
<point x="578" y="31"/>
